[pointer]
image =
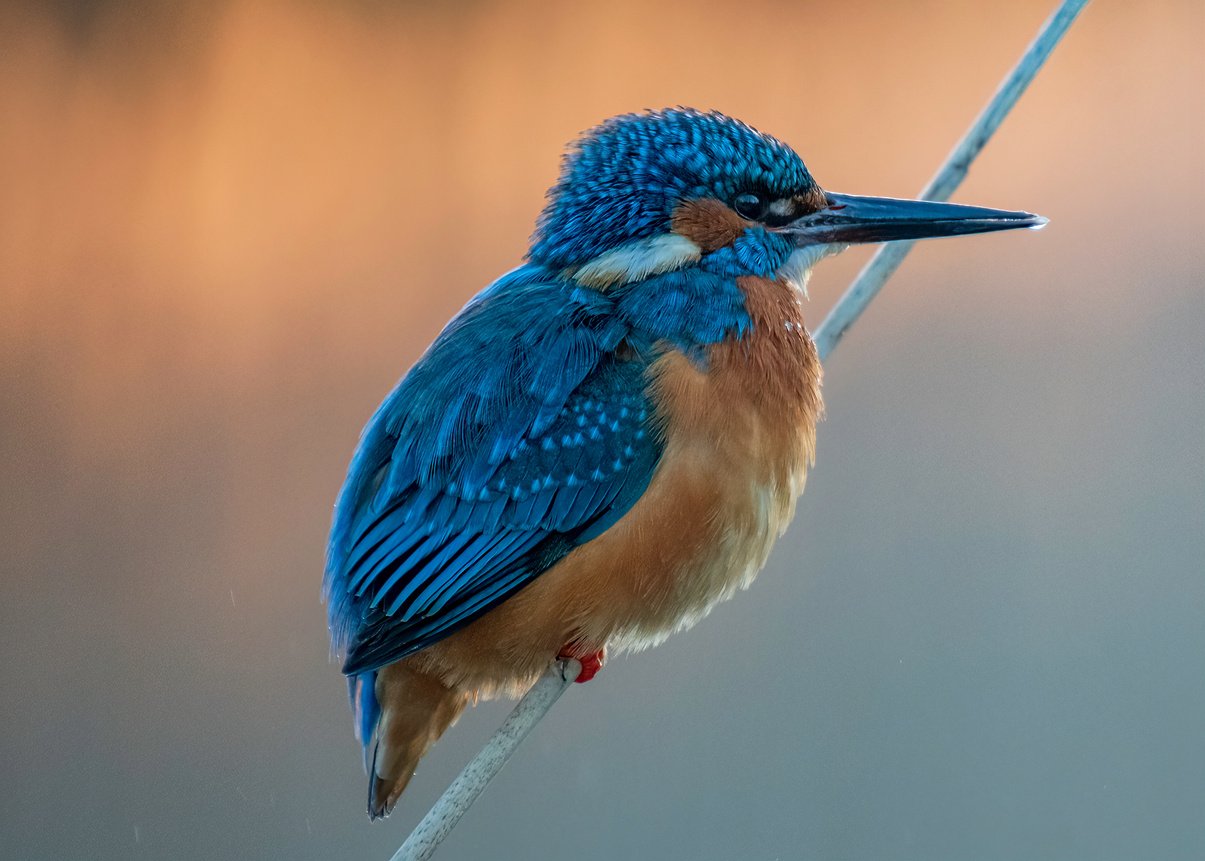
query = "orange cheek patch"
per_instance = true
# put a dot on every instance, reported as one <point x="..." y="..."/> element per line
<point x="708" y="223"/>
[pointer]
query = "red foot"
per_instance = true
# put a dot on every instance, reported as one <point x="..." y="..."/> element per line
<point x="591" y="663"/>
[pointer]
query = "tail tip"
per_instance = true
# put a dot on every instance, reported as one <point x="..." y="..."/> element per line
<point x="383" y="792"/>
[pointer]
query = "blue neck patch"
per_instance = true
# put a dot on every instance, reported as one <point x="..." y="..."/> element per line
<point x="757" y="252"/>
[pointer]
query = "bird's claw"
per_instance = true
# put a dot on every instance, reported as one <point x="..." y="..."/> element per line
<point x="591" y="663"/>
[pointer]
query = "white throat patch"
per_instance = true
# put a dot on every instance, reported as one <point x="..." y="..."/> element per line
<point x="799" y="265"/>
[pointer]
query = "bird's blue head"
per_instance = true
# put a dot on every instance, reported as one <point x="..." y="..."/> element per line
<point x="637" y="181"/>
<point x="652" y="192"/>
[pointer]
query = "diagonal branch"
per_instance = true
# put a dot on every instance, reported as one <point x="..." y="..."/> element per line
<point x="481" y="769"/>
<point x="471" y="782"/>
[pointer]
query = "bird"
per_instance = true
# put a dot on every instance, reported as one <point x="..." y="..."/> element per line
<point x="606" y="441"/>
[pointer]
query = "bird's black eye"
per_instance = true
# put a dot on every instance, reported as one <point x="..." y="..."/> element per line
<point x="750" y="205"/>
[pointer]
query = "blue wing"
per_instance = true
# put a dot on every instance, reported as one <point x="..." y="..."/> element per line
<point x="518" y="436"/>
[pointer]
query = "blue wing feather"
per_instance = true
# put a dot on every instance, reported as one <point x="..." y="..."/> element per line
<point x="480" y="468"/>
<point x="518" y="436"/>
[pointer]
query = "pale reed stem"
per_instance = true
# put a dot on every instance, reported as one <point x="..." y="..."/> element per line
<point x="481" y="769"/>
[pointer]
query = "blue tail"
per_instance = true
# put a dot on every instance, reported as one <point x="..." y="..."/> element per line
<point x="365" y="709"/>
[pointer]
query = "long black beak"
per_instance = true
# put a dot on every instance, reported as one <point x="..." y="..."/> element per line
<point x="849" y="218"/>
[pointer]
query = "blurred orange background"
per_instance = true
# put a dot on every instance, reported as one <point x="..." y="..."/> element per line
<point x="227" y="228"/>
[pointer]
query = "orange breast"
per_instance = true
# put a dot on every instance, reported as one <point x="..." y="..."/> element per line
<point x="739" y="438"/>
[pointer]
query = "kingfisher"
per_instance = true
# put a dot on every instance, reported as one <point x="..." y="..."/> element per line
<point x="605" y="442"/>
